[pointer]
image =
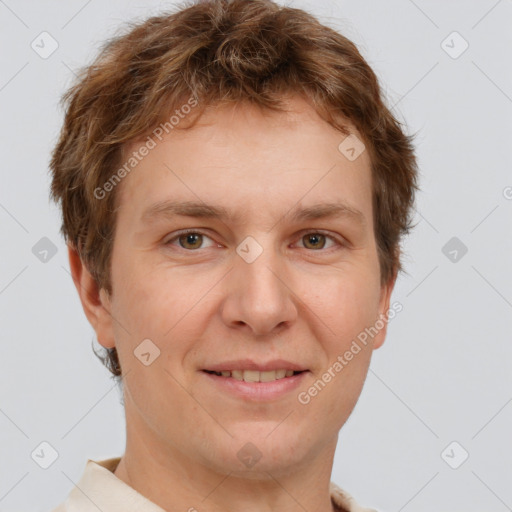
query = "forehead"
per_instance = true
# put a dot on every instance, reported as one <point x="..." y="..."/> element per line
<point x="239" y="157"/>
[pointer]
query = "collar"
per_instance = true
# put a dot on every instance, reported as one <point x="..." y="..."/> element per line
<point x="100" y="489"/>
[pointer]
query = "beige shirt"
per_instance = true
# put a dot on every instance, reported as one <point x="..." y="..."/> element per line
<point x="100" y="489"/>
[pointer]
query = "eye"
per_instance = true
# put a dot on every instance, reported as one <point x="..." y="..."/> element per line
<point x="192" y="240"/>
<point x="316" y="240"/>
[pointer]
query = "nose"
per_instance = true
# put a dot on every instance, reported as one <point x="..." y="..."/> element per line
<point x="258" y="297"/>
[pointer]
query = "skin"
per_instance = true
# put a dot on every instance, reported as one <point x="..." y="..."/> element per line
<point x="302" y="299"/>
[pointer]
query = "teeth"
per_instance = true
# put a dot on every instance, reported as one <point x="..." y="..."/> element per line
<point x="280" y="374"/>
<point x="251" y="376"/>
<point x="237" y="374"/>
<point x="255" y="376"/>
<point x="267" y="376"/>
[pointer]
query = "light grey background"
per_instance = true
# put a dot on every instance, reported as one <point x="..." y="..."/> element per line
<point x="444" y="373"/>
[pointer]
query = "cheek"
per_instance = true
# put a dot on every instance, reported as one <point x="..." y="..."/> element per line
<point x="346" y="303"/>
<point x="138" y="291"/>
<point x="345" y="307"/>
<point x="163" y="305"/>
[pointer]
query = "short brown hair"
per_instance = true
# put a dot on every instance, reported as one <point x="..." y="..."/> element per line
<point x="218" y="52"/>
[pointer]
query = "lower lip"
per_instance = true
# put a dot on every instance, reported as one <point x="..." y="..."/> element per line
<point x="258" y="391"/>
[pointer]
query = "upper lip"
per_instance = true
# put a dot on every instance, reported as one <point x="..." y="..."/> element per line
<point x="249" y="364"/>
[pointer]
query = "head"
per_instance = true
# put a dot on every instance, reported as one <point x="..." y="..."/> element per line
<point x="249" y="111"/>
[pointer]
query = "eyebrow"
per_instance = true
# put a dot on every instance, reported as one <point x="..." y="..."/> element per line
<point x="168" y="209"/>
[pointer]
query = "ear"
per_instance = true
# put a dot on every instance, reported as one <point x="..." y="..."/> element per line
<point x="95" y="301"/>
<point x="385" y="298"/>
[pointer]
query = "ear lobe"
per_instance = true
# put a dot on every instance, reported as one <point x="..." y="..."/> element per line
<point x="95" y="301"/>
<point x="385" y="299"/>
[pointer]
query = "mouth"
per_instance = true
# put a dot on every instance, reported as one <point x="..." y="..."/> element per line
<point x="256" y="376"/>
<point x="256" y="385"/>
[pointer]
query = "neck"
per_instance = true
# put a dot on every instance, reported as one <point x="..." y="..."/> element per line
<point x="178" y="482"/>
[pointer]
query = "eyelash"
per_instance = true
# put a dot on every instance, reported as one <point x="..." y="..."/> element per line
<point x="304" y="233"/>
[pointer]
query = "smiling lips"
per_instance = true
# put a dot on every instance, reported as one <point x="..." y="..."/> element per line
<point x="249" y="371"/>
<point x="254" y="375"/>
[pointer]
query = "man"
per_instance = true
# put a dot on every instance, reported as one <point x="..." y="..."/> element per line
<point x="233" y="192"/>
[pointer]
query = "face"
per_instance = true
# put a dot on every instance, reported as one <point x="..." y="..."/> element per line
<point x="258" y="273"/>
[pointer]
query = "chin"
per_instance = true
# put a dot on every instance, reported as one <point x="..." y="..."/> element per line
<point x="257" y="453"/>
